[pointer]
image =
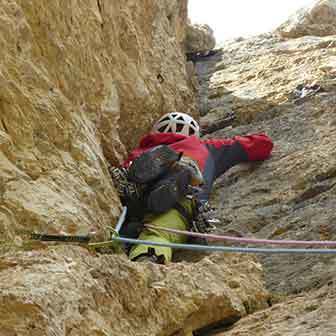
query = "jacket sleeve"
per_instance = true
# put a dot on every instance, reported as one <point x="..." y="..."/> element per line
<point x="229" y="152"/>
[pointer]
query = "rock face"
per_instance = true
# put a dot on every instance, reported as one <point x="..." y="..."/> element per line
<point x="286" y="89"/>
<point x="67" y="291"/>
<point x="308" y="314"/>
<point x="199" y="38"/>
<point x="262" y="74"/>
<point x="318" y="19"/>
<point x="289" y="196"/>
<point x="81" y="82"/>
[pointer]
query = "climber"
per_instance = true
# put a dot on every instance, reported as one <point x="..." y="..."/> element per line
<point x="166" y="181"/>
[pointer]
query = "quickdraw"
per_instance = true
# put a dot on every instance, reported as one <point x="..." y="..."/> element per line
<point x="85" y="239"/>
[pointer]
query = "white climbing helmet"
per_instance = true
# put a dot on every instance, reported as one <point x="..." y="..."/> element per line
<point x="177" y="122"/>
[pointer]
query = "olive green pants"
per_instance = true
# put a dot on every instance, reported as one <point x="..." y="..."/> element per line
<point x="171" y="219"/>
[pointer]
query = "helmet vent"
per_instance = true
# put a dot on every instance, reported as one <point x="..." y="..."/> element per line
<point x="165" y="119"/>
<point x="179" y="127"/>
<point x="162" y="129"/>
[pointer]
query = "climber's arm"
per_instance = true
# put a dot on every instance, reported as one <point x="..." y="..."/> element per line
<point x="229" y="152"/>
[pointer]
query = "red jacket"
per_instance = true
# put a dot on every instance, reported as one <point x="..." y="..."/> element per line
<point x="214" y="156"/>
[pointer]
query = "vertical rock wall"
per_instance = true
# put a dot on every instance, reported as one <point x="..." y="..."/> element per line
<point x="80" y="82"/>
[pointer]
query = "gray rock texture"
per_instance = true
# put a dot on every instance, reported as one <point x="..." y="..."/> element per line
<point x="199" y="38"/>
<point x="317" y="19"/>
<point x="287" y="90"/>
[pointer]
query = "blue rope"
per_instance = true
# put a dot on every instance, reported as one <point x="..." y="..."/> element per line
<point x="213" y="248"/>
<point x="121" y="220"/>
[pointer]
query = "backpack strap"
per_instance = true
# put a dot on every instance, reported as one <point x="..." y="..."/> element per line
<point x="189" y="217"/>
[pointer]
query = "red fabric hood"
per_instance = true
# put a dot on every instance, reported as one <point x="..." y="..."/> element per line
<point x="155" y="139"/>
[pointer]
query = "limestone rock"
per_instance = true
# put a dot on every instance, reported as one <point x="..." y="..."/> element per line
<point x="67" y="290"/>
<point x="318" y="19"/>
<point x="255" y="78"/>
<point x="307" y="314"/>
<point x="199" y="38"/>
<point x="291" y="195"/>
<point x="81" y="82"/>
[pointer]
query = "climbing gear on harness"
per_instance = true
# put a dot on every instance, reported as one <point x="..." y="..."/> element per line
<point x="171" y="218"/>
<point x="167" y="179"/>
<point x="131" y="229"/>
<point x="204" y="220"/>
<point x="201" y="218"/>
<point x="177" y="122"/>
<point x="152" y="164"/>
<point x="126" y="189"/>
